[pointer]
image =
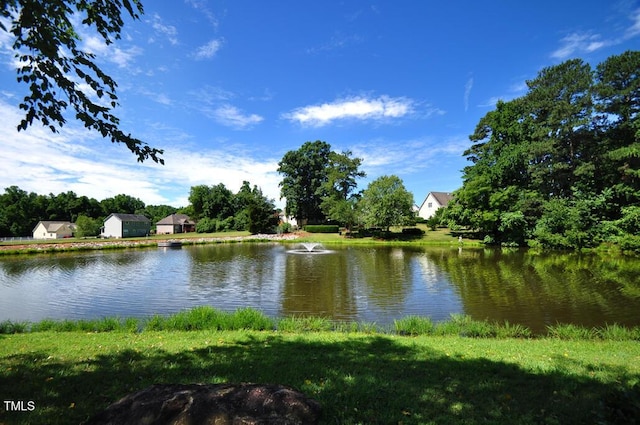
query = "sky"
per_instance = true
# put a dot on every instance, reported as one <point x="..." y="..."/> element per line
<point x="226" y="88"/>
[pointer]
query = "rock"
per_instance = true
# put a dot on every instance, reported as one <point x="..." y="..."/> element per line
<point x="219" y="404"/>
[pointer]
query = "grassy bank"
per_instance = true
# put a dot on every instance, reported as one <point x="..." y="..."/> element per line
<point x="435" y="237"/>
<point x="208" y="318"/>
<point x="358" y="375"/>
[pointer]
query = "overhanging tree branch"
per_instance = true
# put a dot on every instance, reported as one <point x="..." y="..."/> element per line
<point x="53" y="67"/>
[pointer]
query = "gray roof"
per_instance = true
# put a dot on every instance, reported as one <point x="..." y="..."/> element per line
<point x="442" y="197"/>
<point x="176" y="219"/>
<point x="54" y="226"/>
<point x="128" y="217"/>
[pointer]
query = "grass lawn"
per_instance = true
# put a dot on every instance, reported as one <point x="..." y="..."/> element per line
<point x="439" y="236"/>
<point x="357" y="377"/>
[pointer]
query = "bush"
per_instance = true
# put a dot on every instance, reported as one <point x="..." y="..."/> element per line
<point x="412" y="231"/>
<point x="629" y="243"/>
<point x="322" y="228"/>
<point x="206" y="225"/>
<point x="284" y="228"/>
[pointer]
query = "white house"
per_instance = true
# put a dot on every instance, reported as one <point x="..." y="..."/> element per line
<point x="126" y="226"/>
<point x="53" y="230"/>
<point x="432" y="203"/>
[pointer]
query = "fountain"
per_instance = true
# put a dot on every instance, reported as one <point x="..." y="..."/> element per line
<point x="309" y="248"/>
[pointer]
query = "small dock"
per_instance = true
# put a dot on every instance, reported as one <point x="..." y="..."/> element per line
<point x="170" y="244"/>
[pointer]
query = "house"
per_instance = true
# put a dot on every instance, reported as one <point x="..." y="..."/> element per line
<point x="126" y="226"/>
<point x="53" y="230"/>
<point x="433" y="202"/>
<point x="175" y="223"/>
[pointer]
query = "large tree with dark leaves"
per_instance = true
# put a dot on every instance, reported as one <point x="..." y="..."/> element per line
<point x="305" y="175"/>
<point x="59" y="75"/>
<point x="559" y="166"/>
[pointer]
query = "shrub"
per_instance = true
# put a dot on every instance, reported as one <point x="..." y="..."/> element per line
<point x="284" y="228"/>
<point x="630" y="243"/>
<point x="206" y="225"/>
<point x="322" y="228"/>
<point x="412" y="231"/>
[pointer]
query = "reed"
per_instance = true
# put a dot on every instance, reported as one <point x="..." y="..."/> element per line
<point x="208" y="318"/>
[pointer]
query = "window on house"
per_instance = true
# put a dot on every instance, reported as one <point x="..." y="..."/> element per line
<point x="430" y="205"/>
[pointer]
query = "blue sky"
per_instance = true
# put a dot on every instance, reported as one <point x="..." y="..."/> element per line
<point x="226" y="88"/>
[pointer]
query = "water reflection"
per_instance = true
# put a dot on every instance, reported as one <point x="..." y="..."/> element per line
<point x="364" y="283"/>
<point x="545" y="289"/>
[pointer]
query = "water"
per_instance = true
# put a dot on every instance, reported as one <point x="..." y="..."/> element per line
<point x="359" y="283"/>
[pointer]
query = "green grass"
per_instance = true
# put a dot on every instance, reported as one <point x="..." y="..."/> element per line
<point x="440" y="236"/>
<point x="358" y="378"/>
<point x="415" y="372"/>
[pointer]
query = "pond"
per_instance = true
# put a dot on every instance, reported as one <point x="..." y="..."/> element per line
<point x="350" y="283"/>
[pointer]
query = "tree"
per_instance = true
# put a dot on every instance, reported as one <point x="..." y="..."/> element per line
<point x="18" y="214"/>
<point x="123" y="204"/>
<point x="213" y="202"/>
<point x="386" y="202"/>
<point x="155" y="213"/>
<point x="87" y="226"/>
<point x="57" y="72"/>
<point x="305" y="174"/>
<point x="557" y="167"/>
<point x="618" y="90"/>
<point x="253" y="211"/>
<point x="339" y="202"/>
<point x="560" y="107"/>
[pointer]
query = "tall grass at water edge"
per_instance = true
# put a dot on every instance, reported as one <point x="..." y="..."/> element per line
<point x="208" y="318"/>
<point x="413" y="372"/>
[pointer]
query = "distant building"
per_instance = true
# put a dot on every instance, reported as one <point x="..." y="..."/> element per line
<point x="53" y="230"/>
<point x="126" y="226"/>
<point x="432" y="203"/>
<point x="175" y="223"/>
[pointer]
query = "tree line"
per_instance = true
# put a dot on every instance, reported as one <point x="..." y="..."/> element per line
<point x="560" y="166"/>
<point x="215" y="208"/>
<point x="20" y="211"/>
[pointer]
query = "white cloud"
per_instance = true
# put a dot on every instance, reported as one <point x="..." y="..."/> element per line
<point x="201" y="6"/>
<point x="39" y="161"/>
<point x="407" y="156"/>
<point x="361" y="108"/>
<point x="578" y="43"/>
<point x="121" y="57"/>
<point x="231" y="116"/>
<point x="634" y="29"/>
<point x="338" y="41"/>
<point x="467" y="93"/>
<point x="168" y="31"/>
<point x="208" y="50"/>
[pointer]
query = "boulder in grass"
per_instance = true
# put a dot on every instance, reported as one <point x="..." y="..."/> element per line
<point x="219" y="404"/>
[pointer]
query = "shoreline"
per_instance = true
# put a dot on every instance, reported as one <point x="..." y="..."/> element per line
<point x="34" y="247"/>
